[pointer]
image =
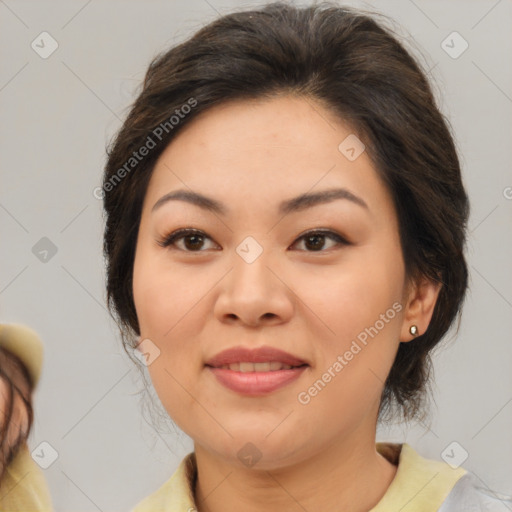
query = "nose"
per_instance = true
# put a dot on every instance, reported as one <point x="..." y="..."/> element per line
<point x="254" y="293"/>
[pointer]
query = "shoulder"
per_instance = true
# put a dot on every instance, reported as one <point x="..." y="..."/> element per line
<point x="24" y="486"/>
<point x="420" y="484"/>
<point x="471" y="495"/>
<point x="428" y="485"/>
<point x="177" y="493"/>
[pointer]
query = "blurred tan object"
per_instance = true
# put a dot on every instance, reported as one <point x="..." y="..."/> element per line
<point x="22" y="485"/>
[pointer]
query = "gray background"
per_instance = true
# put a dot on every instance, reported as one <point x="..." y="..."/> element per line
<point x="57" y="115"/>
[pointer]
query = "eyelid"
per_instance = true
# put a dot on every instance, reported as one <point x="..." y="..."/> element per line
<point x="324" y="231"/>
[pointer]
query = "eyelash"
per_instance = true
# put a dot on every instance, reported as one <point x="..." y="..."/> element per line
<point x="170" y="239"/>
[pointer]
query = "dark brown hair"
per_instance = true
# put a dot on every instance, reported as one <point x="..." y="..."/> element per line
<point x="353" y="65"/>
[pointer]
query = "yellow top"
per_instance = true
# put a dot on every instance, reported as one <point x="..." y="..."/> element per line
<point x="23" y="487"/>
<point x="420" y="485"/>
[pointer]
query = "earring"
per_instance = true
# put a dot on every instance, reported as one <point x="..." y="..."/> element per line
<point x="413" y="330"/>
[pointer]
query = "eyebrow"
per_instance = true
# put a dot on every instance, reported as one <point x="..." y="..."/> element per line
<point x="295" y="204"/>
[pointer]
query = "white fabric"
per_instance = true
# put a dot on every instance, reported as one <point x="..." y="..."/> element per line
<point x="470" y="495"/>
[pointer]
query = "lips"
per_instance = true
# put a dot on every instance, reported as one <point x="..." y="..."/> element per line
<point x="257" y="367"/>
<point x="240" y="355"/>
<point x="255" y="372"/>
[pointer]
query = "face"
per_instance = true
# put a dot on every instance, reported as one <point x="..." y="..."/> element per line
<point x="322" y="281"/>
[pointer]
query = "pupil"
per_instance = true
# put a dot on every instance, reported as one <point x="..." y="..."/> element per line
<point x="197" y="238"/>
<point x="317" y="237"/>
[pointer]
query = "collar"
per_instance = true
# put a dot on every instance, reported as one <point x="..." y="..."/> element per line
<point x="420" y="485"/>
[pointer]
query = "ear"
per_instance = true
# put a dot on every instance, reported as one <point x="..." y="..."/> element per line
<point x="421" y="298"/>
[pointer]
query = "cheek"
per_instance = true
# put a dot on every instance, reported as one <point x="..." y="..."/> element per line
<point x="345" y="300"/>
<point x="171" y="314"/>
<point x="162" y="296"/>
<point x="164" y="304"/>
<point x="357" y="311"/>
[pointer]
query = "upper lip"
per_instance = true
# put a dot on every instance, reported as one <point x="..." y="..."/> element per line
<point x="255" y="355"/>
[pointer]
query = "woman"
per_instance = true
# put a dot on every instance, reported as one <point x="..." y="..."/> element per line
<point x="285" y="227"/>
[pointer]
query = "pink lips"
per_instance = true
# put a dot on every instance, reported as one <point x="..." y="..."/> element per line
<point x="259" y="382"/>
<point x="255" y="355"/>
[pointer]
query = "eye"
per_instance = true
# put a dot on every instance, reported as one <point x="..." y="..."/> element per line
<point x="316" y="239"/>
<point x="193" y="239"/>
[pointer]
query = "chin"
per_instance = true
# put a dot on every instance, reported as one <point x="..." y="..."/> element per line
<point x="258" y="450"/>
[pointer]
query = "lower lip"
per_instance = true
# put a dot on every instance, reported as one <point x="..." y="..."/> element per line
<point x="256" y="383"/>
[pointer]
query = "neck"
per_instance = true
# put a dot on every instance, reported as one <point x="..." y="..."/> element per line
<point x="347" y="475"/>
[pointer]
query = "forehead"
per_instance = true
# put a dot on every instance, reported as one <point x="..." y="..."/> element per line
<point x="264" y="149"/>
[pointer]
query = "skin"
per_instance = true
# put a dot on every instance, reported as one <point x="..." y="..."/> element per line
<point x="194" y="300"/>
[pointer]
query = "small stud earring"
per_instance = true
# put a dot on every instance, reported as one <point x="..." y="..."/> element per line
<point x="413" y="330"/>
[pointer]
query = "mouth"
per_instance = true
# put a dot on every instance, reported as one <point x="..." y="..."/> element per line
<point x="255" y="359"/>
<point x="248" y="367"/>
<point x="255" y="372"/>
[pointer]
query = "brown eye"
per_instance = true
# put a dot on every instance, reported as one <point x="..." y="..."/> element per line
<point x="315" y="240"/>
<point x="193" y="240"/>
